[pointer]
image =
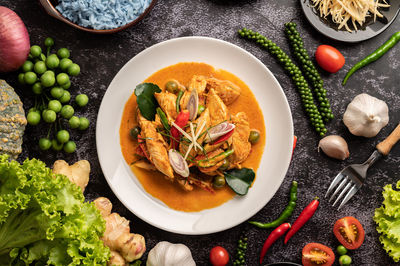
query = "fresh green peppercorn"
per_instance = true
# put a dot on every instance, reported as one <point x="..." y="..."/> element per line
<point x="341" y="250"/>
<point x="70" y="146"/>
<point x="345" y="260"/>
<point x="47" y="79"/>
<point x="27" y="66"/>
<point x="62" y="79"/>
<point x="49" y="116"/>
<point x="37" y="88"/>
<point x="63" y="53"/>
<point x="74" y="122"/>
<point x="35" y="50"/>
<point x="44" y="144"/>
<point x="62" y="136"/>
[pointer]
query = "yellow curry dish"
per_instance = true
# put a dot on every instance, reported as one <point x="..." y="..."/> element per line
<point x="193" y="136"/>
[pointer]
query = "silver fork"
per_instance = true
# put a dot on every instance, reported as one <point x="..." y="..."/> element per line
<point x="352" y="177"/>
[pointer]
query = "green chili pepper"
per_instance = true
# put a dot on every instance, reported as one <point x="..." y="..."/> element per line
<point x="163" y="118"/>
<point x="214" y="160"/>
<point x="286" y="212"/>
<point x="378" y="53"/>
<point x="178" y="100"/>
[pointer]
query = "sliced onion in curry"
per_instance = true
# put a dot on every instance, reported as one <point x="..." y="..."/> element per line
<point x="193" y="105"/>
<point x="178" y="163"/>
<point x="219" y="130"/>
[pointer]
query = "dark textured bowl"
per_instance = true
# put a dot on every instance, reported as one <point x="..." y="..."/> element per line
<point x="49" y="7"/>
<point x="283" y="264"/>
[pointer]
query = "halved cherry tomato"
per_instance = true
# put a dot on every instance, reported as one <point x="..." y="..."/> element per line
<point x="317" y="254"/>
<point x="219" y="256"/>
<point x="349" y="232"/>
<point x="329" y="58"/>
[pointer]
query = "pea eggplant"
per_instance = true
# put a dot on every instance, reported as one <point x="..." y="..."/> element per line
<point x="287" y="212"/>
<point x="378" y="53"/>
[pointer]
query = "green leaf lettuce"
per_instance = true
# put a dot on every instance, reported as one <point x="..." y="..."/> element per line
<point x="44" y="219"/>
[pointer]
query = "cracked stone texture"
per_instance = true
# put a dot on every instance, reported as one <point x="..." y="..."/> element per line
<point x="101" y="56"/>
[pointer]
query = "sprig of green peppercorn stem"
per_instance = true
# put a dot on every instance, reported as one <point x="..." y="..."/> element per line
<point x="295" y="74"/>
<point x="240" y="256"/>
<point x="309" y="70"/>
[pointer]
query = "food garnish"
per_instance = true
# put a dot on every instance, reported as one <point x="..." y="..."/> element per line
<point x="329" y="58"/>
<point x="287" y="212"/>
<point x="178" y="100"/>
<point x="366" y="115"/>
<point x="193" y="105"/>
<point x="219" y="256"/>
<point x="378" y="53"/>
<point x="166" y="253"/>
<point x="218" y="131"/>
<point x="354" y="11"/>
<point x="178" y="163"/>
<point x="309" y="70"/>
<point x="387" y="220"/>
<point x="272" y="238"/>
<point x="176" y="130"/>
<point x="295" y="74"/>
<point x="14" y="40"/>
<point x="240" y="256"/>
<point x="334" y="146"/>
<point x="145" y="99"/>
<point x="304" y="216"/>
<point x="240" y="180"/>
<point x="13" y="121"/>
<point x="46" y="214"/>
<point x="349" y="231"/>
<point x="125" y="246"/>
<point x="317" y="254"/>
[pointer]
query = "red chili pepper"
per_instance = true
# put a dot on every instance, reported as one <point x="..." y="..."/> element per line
<point x="294" y="144"/>
<point x="142" y="150"/>
<point x="304" y="216"/>
<point x="275" y="235"/>
<point x="223" y="137"/>
<point x="181" y="120"/>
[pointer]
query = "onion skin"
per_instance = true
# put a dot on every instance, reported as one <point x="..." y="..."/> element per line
<point x="14" y="40"/>
<point x="334" y="146"/>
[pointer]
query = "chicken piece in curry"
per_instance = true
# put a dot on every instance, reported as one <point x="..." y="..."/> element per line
<point x="196" y="125"/>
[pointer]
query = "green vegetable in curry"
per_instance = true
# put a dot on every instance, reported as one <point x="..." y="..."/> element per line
<point x="146" y="101"/>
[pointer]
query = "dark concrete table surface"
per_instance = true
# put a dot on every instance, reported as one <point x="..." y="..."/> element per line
<point x="101" y="57"/>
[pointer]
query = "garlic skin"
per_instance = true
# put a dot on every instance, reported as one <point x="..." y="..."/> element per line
<point x="334" y="146"/>
<point x="366" y="115"/>
<point x="168" y="254"/>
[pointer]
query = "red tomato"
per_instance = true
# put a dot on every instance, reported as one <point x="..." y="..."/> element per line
<point x="329" y="58"/>
<point x="219" y="256"/>
<point x="349" y="232"/>
<point x="317" y="254"/>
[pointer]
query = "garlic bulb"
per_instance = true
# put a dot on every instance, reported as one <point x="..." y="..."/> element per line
<point x="168" y="254"/>
<point x="334" y="146"/>
<point x="366" y="115"/>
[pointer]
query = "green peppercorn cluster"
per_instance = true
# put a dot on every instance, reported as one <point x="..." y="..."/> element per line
<point x="295" y="74"/>
<point x="309" y="70"/>
<point x="49" y="78"/>
<point x="240" y="259"/>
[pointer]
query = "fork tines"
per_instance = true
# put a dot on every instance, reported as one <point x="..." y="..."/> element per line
<point x="343" y="185"/>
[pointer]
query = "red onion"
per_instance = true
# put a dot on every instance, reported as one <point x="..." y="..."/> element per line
<point x="193" y="105"/>
<point x="178" y="163"/>
<point x="14" y="40"/>
<point x="219" y="130"/>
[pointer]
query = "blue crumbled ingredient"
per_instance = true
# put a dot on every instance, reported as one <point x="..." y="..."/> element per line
<point x="102" y="14"/>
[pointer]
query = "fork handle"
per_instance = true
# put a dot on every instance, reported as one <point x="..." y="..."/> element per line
<point x="386" y="145"/>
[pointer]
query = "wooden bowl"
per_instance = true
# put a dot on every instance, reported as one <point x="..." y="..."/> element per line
<point x="49" y="7"/>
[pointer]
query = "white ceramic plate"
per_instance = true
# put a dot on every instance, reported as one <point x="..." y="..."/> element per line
<point x="278" y="146"/>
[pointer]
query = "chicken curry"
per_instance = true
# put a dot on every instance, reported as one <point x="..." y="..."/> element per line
<point x="207" y="124"/>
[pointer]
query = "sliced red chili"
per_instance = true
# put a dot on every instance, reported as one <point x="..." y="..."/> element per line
<point x="224" y="137"/>
<point x="181" y="121"/>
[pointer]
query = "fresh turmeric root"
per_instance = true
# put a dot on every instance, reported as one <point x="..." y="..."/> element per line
<point x="125" y="246"/>
<point x="78" y="173"/>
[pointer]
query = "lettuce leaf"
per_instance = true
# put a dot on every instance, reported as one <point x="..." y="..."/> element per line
<point x="387" y="218"/>
<point x="44" y="219"/>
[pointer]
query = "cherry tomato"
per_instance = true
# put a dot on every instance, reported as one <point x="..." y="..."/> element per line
<point x="329" y="58"/>
<point x="317" y="254"/>
<point x="219" y="256"/>
<point x="349" y="232"/>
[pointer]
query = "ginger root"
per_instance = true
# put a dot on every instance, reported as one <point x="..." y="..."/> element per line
<point x="78" y="173"/>
<point x="123" y="244"/>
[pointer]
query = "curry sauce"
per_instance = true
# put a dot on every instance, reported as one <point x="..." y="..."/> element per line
<point x="153" y="181"/>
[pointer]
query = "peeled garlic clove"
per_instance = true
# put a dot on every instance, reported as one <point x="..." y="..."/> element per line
<point x="334" y="146"/>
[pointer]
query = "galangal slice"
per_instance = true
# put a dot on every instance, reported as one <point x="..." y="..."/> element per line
<point x="240" y="139"/>
<point x="155" y="145"/>
<point x="225" y="89"/>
